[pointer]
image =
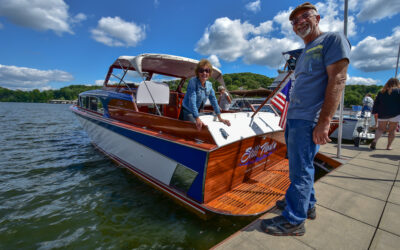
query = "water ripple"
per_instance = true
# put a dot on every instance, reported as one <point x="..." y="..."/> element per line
<point x="57" y="191"/>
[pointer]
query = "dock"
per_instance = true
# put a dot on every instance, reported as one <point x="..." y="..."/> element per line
<point x="63" y="101"/>
<point x="358" y="205"/>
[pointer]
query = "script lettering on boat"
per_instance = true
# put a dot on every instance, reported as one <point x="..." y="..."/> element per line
<point x="258" y="153"/>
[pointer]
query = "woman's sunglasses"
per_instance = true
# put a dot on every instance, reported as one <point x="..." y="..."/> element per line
<point x="204" y="70"/>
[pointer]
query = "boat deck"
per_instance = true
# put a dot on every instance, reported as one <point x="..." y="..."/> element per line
<point x="257" y="194"/>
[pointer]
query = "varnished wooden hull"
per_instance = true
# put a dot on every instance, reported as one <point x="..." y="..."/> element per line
<point x="242" y="178"/>
<point x="237" y="170"/>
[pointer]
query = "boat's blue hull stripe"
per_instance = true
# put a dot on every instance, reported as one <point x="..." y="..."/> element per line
<point x="190" y="157"/>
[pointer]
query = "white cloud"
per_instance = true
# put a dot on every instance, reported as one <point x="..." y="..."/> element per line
<point x="353" y="5"/>
<point x="372" y="54"/>
<point x="226" y="38"/>
<point x="264" y="28"/>
<point x="268" y="51"/>
<point x="156" y="3"/>
<point x="214" y="61"/>
<point x="115" y="32"/>
<point x="374" y="10"/>
<point x="282" y="20"/>
<point x="14" y="77"/>
<point x="99" y="82"/>
<point x="39" y="14"/>
<point x="361" y="81"/>
<point x="78" y="18"/>
<point x="232" y="39"/>
<point x="254" y="6"/>
<point x="42" y="88"/>
<point x="331" y="18"/>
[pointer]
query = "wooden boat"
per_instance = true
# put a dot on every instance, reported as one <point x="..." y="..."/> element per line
<point x="239" y="170"/>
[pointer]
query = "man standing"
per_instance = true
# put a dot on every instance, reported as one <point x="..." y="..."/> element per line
<point x="368" y="103"/>
<point x="320" y="79"/>
<point x="290" y="64"/>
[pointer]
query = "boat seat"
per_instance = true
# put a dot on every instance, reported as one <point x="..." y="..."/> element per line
<point x="150" y="92"/>
<point x="175" y="104"/>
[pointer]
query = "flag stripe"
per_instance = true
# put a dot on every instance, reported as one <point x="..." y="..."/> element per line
<point x="282" y="121"/>
<point x="281" y="102"/>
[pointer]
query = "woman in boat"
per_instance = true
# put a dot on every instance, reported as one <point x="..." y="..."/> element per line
<point x="387" y="106"/>
<point x="224" y="100"/>
<point x="198" y="90"/>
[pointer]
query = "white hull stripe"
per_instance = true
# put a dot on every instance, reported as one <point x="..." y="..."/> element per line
<point x="164" y="154"/>
<point x="162" y="186"/>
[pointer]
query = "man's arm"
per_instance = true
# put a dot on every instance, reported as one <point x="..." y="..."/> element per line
<point x="336" y="82"/>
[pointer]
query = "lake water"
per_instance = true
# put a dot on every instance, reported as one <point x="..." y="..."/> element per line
<point x="58" y="191"/>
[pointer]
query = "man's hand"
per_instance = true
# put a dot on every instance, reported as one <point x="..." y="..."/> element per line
<point x="320" y="133"/>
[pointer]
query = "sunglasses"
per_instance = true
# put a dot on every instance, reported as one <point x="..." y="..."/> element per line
<point x="305" y="15"/>
<point x="204" y="70"/>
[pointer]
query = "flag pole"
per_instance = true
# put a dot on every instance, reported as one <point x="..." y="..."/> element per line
<point x="397" y="64"/>
<point x="272" y="93"/>
<point x="339" y="148"/>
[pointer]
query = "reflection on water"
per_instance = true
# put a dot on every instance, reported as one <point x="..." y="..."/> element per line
<point x="57" y="191"/>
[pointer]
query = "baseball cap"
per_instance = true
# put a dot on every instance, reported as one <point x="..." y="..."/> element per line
<point x="303" y="6"/>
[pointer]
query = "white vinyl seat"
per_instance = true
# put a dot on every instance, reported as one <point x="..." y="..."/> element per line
<point x="150" y="92"/>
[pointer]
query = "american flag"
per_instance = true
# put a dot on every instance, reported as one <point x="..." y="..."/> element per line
<point x="281" y="102"/>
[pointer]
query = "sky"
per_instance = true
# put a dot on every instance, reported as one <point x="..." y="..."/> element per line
<point x="50" y="44"/>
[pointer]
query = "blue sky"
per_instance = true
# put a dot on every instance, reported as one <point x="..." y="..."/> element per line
<point x="49" y="44"/>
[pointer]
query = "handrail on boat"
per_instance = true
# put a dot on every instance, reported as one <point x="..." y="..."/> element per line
<point x="133" y="98"/>
<point x="122" y="80"/>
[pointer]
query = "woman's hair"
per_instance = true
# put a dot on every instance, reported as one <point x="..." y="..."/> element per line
<point x="202" y="64"/>
<point x="391" y="84"/>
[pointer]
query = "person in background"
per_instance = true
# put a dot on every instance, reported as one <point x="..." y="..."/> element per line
<point x="224" y="100"/>
<point x="387" y="106"/>
<point x="368" y="102"/>
<point x="290" y="64"/>
<point x="320" y="75"/>
<point x="198" y="91"/>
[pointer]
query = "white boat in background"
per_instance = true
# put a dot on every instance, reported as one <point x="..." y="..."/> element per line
<point x="356" y="127"/>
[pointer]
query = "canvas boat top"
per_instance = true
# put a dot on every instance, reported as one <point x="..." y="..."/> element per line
<point x="163" y="64"/>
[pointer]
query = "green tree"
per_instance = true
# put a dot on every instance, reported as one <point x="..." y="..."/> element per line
<point x="66" y="93"/>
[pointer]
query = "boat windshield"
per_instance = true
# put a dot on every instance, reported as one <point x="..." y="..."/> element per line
<point x="165" y="79"/>
<point x="119" y="77"/>
<point x="133" y="79"/>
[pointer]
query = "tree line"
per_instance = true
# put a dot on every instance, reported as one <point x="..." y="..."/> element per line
<point x="353" y="93"/>
<point x="67" y="93"/>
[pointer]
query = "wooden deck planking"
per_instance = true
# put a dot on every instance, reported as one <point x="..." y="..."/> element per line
<point x="257" y="194"/>
<point x="226" y="170"/>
